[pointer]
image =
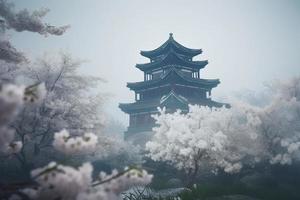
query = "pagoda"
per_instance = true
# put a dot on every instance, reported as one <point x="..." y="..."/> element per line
<point x="171" y="80"/>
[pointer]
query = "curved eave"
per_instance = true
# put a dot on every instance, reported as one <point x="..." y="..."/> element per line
<point x="205" y="83"/>
<point x="209" y="103"/>
<point x="189" y="64"/>
<point x="151" y="106"/>
<point x="164" y="62"/>
<point x="155" y="53"/>
<point x="139" y="106"/>
<point x="125" y="107"/>
<point x="143" y="85"/>
<point x="171" y="43"/>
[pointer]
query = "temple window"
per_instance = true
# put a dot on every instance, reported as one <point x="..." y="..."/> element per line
<point x="148" y="77"/>
<point x="195" y="74"/>
<point x="137" y="96"/>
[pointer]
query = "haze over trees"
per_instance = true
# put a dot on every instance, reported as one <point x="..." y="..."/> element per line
<point x="55" y="139"/>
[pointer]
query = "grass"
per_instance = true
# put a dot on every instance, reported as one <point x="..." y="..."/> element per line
<point x="262" y="193"/>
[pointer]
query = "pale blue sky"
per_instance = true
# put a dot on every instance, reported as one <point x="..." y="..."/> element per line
<point x="246" y="42"/>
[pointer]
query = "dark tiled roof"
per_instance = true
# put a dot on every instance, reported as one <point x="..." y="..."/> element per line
<point x="175" y="74"/>
<point x="151" y="105"/>
<point x="172" y="58"/>
<point x="171" y="44"/>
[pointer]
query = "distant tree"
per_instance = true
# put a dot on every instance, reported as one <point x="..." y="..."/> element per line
<point x="280" y="119"/>
<point x="114" y="127"/>
<point x="116" y="152"/>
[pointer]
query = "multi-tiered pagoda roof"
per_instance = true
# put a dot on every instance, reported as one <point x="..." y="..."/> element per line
<point x="171" y="80"/>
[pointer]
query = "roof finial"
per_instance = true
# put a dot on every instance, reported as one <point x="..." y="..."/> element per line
<point x="171" y="35"/>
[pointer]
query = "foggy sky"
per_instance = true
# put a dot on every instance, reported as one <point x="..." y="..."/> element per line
<point x="246" y="42"/>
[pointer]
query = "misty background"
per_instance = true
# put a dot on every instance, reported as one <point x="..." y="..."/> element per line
<point x="246" y="42"/>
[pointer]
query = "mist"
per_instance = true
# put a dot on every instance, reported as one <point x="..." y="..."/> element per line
<point x="246" y="42"/>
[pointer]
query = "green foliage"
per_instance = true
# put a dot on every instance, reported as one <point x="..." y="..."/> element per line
<point x="264" y="192"/>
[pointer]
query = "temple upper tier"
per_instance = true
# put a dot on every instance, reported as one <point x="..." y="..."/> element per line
<point x="174" y="59"/>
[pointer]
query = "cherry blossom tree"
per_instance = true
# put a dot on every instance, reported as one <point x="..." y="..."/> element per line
<point x="206" y="137"/>
<point x="69" y="104"/>
<point x="35" y="124"/>
<point x="56" y="181"/>
<point x="12" y="59"/>
<point x="228" y="139"/>
<point x="12" y="98"/>
<point x="19" y="21"/>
